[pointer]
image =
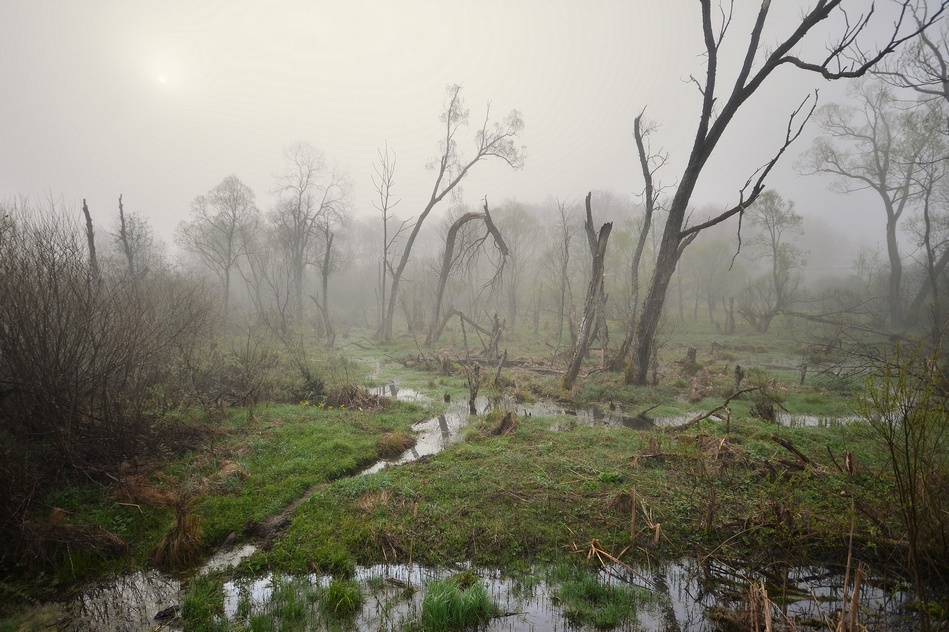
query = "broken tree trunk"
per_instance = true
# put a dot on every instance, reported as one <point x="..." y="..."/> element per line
<point x="91" y="239"/>
<point x="474" y="383"/>
<point x="588" y="322"/>
<point x="494" y="343"/>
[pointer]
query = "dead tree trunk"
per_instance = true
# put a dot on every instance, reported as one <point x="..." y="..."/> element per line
<point x="474" y="383"/>
<point x="494" y="343"/>
<point x="325" y="271"/>
<point x="600" y="330"/>
<point x="590" y="308"/>
<point x="448" y="258"/>
<point x="91" y="239"/>
<point x="649" y="162"/>
<point x="126" y="242"/>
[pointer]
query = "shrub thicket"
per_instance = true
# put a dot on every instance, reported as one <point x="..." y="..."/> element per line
<point x="91" y="362"/>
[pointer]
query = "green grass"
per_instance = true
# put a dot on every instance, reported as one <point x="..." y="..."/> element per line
<point x="342" y="598"/>
<point x="293" y="448"/>
<point x="455" y="604"/>
<point x="203" y="607"/>
<point x="536" y="494"/>
<point x="586" y="601"/>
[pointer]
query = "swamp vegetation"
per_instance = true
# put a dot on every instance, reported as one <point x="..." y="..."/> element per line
<point x="522" y="489"/>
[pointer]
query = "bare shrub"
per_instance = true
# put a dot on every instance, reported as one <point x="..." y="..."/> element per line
<point x="906" y="405"/>
<point x="89" y="365"/>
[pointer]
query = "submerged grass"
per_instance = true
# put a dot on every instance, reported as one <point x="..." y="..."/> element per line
<point x="203" y="606"/>
<point x="587" y="601"/>
<point x="342" y="598"/>
<point x="455" y="604"/>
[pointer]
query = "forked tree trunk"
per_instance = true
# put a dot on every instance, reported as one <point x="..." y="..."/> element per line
<point x="600" y="329"/>
<point x="590" y="308"/>
<point x="435" y="330"/>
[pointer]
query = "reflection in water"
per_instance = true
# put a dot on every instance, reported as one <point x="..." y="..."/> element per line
<point x="685" y="596"/>
<point x="126" y="603"/>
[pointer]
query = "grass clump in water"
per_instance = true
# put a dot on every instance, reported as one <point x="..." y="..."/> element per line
<point x="342" y="598"/>
<point x="588" y="601"/>
<point x="456" y="603"/>
<point x="203" y="607"/>
<point x="290" y="603"/>
<point x="392" y="444"/>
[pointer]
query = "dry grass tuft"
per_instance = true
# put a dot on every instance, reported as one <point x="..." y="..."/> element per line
<point x="138" y="489"/>
<point x="355" y="398"/>
<point x="392" y="444"/>
<point x="182" y="544"/>
<point x="373" y="499"/>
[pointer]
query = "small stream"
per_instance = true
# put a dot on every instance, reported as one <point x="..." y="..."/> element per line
<point x="685" y="592"/>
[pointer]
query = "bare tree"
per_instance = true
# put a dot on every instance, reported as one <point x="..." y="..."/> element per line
<point x="135" y="241"/>
<point x="711" y="266"/>
<point x="923" y="65"/>
<point x="562" y="233"/>
<point x="600" y="330"/>
<point x="520" y="229"/>
<point x="223" y="222"/>
<point x="773" y="221"/>
<point x="931" y="227"/>
<point x="845" y="58"/>
<point x="384" y="182"/>
<point x="313" y="202"/>
<point x="448" y="259"/>
<point x="94" y="272"/>
<point x="492" y="140"/>
<point x="650" y="162"/>
<point x="873" y="147"/>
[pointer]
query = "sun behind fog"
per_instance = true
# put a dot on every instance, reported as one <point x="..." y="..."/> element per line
<point x="162" y="79"/>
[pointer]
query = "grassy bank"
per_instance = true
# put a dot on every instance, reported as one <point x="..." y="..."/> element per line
<point x="543" y="492"/>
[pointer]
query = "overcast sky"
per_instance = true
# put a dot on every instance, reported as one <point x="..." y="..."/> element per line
<point x="159" y="101"/>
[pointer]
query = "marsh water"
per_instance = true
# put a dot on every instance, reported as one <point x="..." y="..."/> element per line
<point x="687" y="595"/>
<point x="683" y="596"/>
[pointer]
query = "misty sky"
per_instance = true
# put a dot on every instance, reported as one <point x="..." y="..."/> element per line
<point x="159" y="101"/>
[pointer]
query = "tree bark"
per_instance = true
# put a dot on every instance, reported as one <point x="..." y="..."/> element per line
<point x="325" y="271"/>
<point x="590" y="308"/>
<point x="600" y="329"/>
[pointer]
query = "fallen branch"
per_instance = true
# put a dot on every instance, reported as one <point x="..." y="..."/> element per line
<point x="787" y="445"/>
<point x="722" y="407"/>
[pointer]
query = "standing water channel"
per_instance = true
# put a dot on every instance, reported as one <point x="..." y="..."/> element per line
<point x="682" y="596"/>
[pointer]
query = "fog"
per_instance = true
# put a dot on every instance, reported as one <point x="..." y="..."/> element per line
<point x="159" y="102"/>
